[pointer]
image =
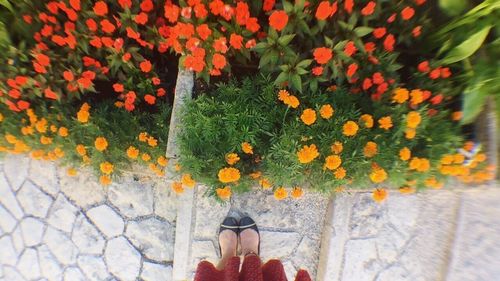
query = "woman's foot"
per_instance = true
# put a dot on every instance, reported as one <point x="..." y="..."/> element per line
<point x="249" y="237"/>
<point x="228" y="241"/>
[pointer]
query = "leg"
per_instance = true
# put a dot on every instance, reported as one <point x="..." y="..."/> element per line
<point x="228" y="241"/>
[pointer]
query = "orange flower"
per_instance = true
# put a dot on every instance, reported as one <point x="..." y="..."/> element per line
<point x="177" y="187"/>
<point x="150" y="99"/>
<point x="45" y="140"/>
<point x="101" y="143"/>
<point x="80" y="149"/>
<point x="406" y="190"/>
<point x="385" y="123"/>
<point x="432" y="182"/>
<point x="230" y="174"/>
<point x="132" y="152"/>
<point x="162" y="161"/>
<point x="145" y="157"/>
<point x="100" y="8"/>
<point x="219" y="61"/>
<point x="379" y="195"/>
<point x="419" y="164"/>
<point x="410" y="133"/>
<point x="83" y="116"/>
<point x="278" y="20"/>
<point x="152" y="142"/>
<point x="405" y="153"/>
<point x="370" y="149"/>
<point x="247" y="148"/>
<point x="63" y="132"/>
<point x="232" y="158"/>
<point x="188" y="181"/>
<point x="71" y="172"/>
<point x="456" y="116"/>
<point x="280" y="193"/>
<point x="339" y="173"/>
<point x="105" y="180"/>
<point x="308" y="116"/>
<point x="265" y="183"/>
<point x="413" y="119"/>
<point x="307" y="153"/>
<point x="145" y="66"/>
<point x="106" y="168"/>
<point x="337" y="147"/>
<point x="297" y="192"/>
<point x="400" y="95"/>
<point x="224" y="193"/>
<point x="417" y="97"/>
<point x="378" y="175"/>
<point x="368" y="120"/>
<point x="350" y="128"/>
<point x="332" y="162"/>
<point x="322" y="55"/>
<point x="326" y="111"/>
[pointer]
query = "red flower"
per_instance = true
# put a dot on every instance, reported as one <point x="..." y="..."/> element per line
<point x="434" y="74"/>
<point x="171" y="12"/>
<point x="125" y="3"/>
<point x="324" y="10"/>
<point x="216" y="7"/>
<point x="156" y="81"/>
<point x="96" y="42"/>
<point x="250" y="43"/>
<point x="219" y="61"/>
<point x="236" y="41"/>
<point x="437" y="99"/>
<point x="107" y="26"/>
<point x="378" y="78"/>
<point x="118" y="87"/>
<point x="278" y="20"/>
<point x="15" y="94"/>
<point x="28" y="19"/>
<point x="416" y="31"/>
<point x="50" y="94"/>
<point x="91" y="24"/>
<point x="392" y="18"/>
<point x="423" y="66"/>
<point x="407" y="13"/>
<point x="150" y="99"/>
<point x="147" y="6"/>
<point x="351" y="69"/>
<point x="200" y="11"/>
<point x="203" y="31"/>
<point x="268" y="5"/>
<point x="350" y="49"/>
<point x="132" y="33"/>
<point x="369" y="8"/>
<point x="68" y="75"/>
<point x="445" y="72"/>
<point x="389" y="43"/>
<point x="42" y="59"/>
<point x="141" y="18"/>
<point x="145" y="66"/>
<point x="420" y="2"/>
<point x="75" y="4"/>
<point x="161" y="92"/>
<point x="367" y="83"/>
<point x="23" y="105"/>
<point x="100" y="8"/>
<point x="186" y="12"/>
<point x="252" y="25"/>
<point x="220" y="45"/>
<point x="370" y="47"/>
<point x="317" y="71"/>
<point x="322" y="55"/>
<point x="379" y="32"/>
<point x="348" y="5"/>
<point x="242" y="13"/>
<point x="194" y="63"/>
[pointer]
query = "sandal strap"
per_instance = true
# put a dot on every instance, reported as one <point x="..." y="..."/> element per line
<point x="247" y="226"/>
<point x="229" y="226"/>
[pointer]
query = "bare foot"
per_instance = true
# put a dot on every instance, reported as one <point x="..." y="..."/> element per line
<point x="228" y="241"/>
<point x="249" y="240"/>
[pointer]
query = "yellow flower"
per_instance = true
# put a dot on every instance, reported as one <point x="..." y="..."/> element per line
<point x="370" y="149"/>
<point x="368" y="120"/>
<point x="83" y="116"/>
<point x="385" y="122"/>
<point x="332" y="162"/>
<point x="188" y="181"/>
<point x="152" y="142"/>
<point x="106" y="168"/>
<point x="292" y="101"/>
<point x="101" y="143"/>
<point x="59" y="152"/>
<point x="307" y="153"/>
<point x="28" y="130"/>
<point x="308" y="116"/>
<point x="406" y="190"/>
<point x="378" y="175"/>
<point x="405" y="153"/>
<point x="256" y="175"/>
<point x="339" y="189"/>
<point x="297" y="192"/>
<point x="224" y="193"/>
<point x="132" y="152"/>
<point x="162" y="161"/>
<point x="41" y="126"/>
<point x="247" y="148"/>
<point x="339" y="173"/>
<point x="283" y="94"/>
<point x="145" y="157"/>
<point x="230" y="174"/>
<point x="143" y="137"/>
<point x="337" y="147"/>
<point x="71" y="172"/>
<point x="350" y="128"/>
<point x="63" y="132"/>
<point x="53" y="128"/>
<point x="177" y="167"/>
<point x="37" y="154"/>
<point x="80" y="149"/>
<point x="410" y="133"/>
<point x="413" y="119"/>
<point x="177" y="187"/>
<point x="417" y="97"/>
<point x="432" y="182"/>
<point x="400" y="95"/>
<point x="119" y="104"/>
<point x="326" y="111"/>
<point x="280" y="193"/>
<point x="379" y="195"/>
<point x="265" y="183"/>
<point x="45" y="140"/>
<point x="456" y="116"/>
<point x="419" y="164"/>
<point x="105" y="180"/>
<point x="232" y="158"/>
<point x="11" y="139"/>
<point x="1" y="117"/>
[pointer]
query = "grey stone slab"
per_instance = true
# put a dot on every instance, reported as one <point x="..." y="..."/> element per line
<point x="86" y="237"/>
<point x="16" y="169"/>
<point x="32" y="230"/>
<point x="107" y="220"/>
<point x="204" y="250"/>
<point x="367" y="216"/>
<point x="83" y="189"/>
<point x="154" y="237"/>
<point x="62" y="215"/>
<point x="165" y="201"/>
<point x="476" y="250"/>
<point x="73" y="274"/>
<point x="49" y="266"/>
<point x="156" y="272"/>
<point x="208" y="208"/>
<point x="290" y="270"/>
<point x="28" y="264"/>
<point x="394" y="273"/>
<point x="122" y="259"/>
<point x="18" y="239"/>
<point x="278" y="245"/>
<point x="60" y="246"/>
<point x="8" y="254"/>
<point x="183" y="235"/>
<point x="361" y="260"/>
<point x="34" y="201"/>
<point x="44" y="175"/>
<point x="132" y="198"/>
<point x="93" y="267"/>
<point x="307" y="255"/>
<point x="8" y="199"/>
<point x="11" y="274"/>
<point x="7" y="221"/>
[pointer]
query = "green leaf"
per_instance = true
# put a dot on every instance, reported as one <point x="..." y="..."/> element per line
<point x="296" y="82"/>
<point x="284" y="67"/>
<point x="468" y="47"/>
<point x="4" y="36"/>
<point x="474" y="100"/>
<point x="453" y="7"/>
<point x="282" y="77"/>
<point x="286" y="39"/>
<point x="363" y="30"/>
<point x="260" y="47"/>
<point x="7" y="5"/>
<point x="328" y="42"/>
<point x="301" y="71"/>
<point x="288" y="7"/>
<point x="305" y="63"/>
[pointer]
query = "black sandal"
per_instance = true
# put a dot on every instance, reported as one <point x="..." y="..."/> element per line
<point x="231" y="224"/>
<point x="249" y="223"/>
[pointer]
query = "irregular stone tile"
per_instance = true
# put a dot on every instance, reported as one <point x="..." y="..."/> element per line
<point x="1" y="270"/>
<point x="34" y="201"/>
<point x="204" y="250"/>
<point x="8" y="254"/>
<point x="122" y="259"/>
<point x="62" y="214"/>
<point x="403" y="221"/>
<point x="61" y="246"/>
<point x="156" y="272"/>
<point x="86" y="237"/>
<point x="28" y="264"/>
<point x="390" y="243"/>
<point x="49" y="267"/>
<point x="165" y="202"/>
<point x="17" y="238"/>
<point x="83" y="189"/>
<point x="290" y="270"/>
<point x="367" y="216"/>
<point x="73" y="274"/>
<point x="16" y="169"/>
<point x="394" y="273"/>
<point x="154" y="237"/>
<point x="8" y="199"/>
<point x="132" y="198"/>
<point x="207" y="208"/>
<point x="93" y="267"/>
<point x="43" y="174"/>
<point x="361" y="260"/>
<point x="32" y="230"/>
<point x="307" y="254"/>
<point x="7" y="221"/>
<point x="107" y="220"/>
<point x="10" y="274"/>
<point x="278" y="245"/>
